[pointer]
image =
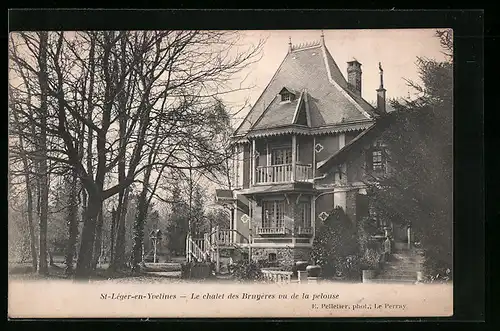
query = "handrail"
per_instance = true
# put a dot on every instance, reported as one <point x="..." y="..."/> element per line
<point x="277" y="276"/>
<point x="304" y="229"/>
<point x="231" y="230"/>
<point x="282" y="173"/>
<point x="272" y="230"/>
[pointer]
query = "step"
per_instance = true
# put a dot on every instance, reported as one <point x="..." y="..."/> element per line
<point x="406" y="257"/>
<point x="400" y="270"/>
<point x="410" y="275"/>
<point x="403" y="265"/>
<point x="391" y="281"/>
<point x="399" y="277"/>
<point x="392" y="262"/>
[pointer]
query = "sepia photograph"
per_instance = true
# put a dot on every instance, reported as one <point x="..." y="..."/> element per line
<point x="238" y="173"/>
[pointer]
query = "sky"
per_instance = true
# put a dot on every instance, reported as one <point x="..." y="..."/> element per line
<point x="396" y="49"/>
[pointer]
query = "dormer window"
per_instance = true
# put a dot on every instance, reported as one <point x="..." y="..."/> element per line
<point x="287" y="95"/>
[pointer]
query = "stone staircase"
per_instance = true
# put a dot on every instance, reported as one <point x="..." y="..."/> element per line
<point x="401" y="267"/>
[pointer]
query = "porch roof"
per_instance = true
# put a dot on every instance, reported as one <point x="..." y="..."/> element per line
<point x="298" y="187"/>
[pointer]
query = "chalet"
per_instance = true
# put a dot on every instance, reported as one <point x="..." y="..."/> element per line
<point x="306" y="147"/>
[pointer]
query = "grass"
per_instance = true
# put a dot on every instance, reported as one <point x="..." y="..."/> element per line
<point x="151" y="273"/>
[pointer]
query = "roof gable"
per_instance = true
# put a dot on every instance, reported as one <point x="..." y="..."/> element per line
<point x="329" y="102"/>
<point x="287" y="90"/>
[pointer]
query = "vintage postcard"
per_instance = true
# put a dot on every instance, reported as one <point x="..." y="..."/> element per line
<point x="276" y="173"/>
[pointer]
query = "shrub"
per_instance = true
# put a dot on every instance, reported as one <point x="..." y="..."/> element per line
<point x="335" y="245"/>
<point x="197" y="270"/>
<point x="437" y="270"/>
<point x="246" y="271"/>
<point x="370" y="260"/>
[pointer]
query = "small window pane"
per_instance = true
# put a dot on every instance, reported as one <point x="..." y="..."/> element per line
<point x="377" y="160"/>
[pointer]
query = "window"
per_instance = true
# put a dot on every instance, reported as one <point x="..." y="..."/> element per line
<point x="272" y="257"/>
<point x="377" y="164"/>
<point x="303" y="215"/>
<point x="281" y="156"/>
<point x="287" y="96"/>
<point x="273" y="214"/>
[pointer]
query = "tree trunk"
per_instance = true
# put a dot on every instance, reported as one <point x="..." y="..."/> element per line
<point x="112" y="239"/>
<point x="84" y="264"/>
<point x="119" y="257"/>
<point x="72" y="224"/>
<point x="98" y="239"/>
<point x="140" y="217"/>
<point x="44" y="183"/>
<point x="31" y="227"/>
<point x="29" y="194"/>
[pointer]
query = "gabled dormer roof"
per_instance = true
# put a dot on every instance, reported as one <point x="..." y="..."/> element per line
<point x="324" y="94"/>
<point x="288" y="90"/>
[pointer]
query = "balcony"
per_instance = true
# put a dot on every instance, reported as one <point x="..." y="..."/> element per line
<point x="301" y="230"/>
<point x="283" y="173"/>
<point x="274" y="230"/>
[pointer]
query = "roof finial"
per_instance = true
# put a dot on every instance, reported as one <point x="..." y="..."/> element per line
<point x="289" y="44"/>
<point x="322" y="38"/>
<point x="381" y="72"/>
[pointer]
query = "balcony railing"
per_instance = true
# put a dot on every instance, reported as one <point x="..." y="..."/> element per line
<point x="303" y="230"/>
<point x="277" y="276"/>
<point x="274" y="230"/>
<point x="282" y="173"/>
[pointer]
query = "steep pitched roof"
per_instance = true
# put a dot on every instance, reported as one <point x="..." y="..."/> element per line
<point x="329" y="101"/>
<point x="366" y="136"/>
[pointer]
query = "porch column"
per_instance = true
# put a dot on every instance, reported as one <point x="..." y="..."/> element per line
<point x="294" y="156"/>
<point x="252" y="171"/>
<point x="314" y="158"/>
<point x="313" y="216"/>
<point x="269" y="170"/>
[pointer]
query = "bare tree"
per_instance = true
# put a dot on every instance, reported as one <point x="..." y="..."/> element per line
<point x="119" y="86"/>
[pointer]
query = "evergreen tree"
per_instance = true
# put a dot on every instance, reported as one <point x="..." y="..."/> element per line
<point x="418" y="191"/>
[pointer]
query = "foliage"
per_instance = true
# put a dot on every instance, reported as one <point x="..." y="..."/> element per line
<point x="419" y="136"/>
<point x="335" y="244"/>
<point x="371" y="251"/>
<point x="177" y="223"/>
<point x="142" y="102"/>
<point x="197" y="270"/>
<point x="217" y="217"/>
<point x="246" y="271"/>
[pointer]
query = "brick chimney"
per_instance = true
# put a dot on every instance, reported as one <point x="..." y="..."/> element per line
<point x="381" y="92"/>
<point x="354" y="76"/>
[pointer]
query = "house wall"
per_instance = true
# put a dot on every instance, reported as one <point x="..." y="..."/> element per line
<point x="239" y="225"/>
<point x="330" y="145"/>
<point x="351" y="135"/>
<point x="306" y="150"/>
<point x="350" y="209"/>
<point x="356" y="167"/>
<point x="285" y="257"/>
<point x="246" y="166"/>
